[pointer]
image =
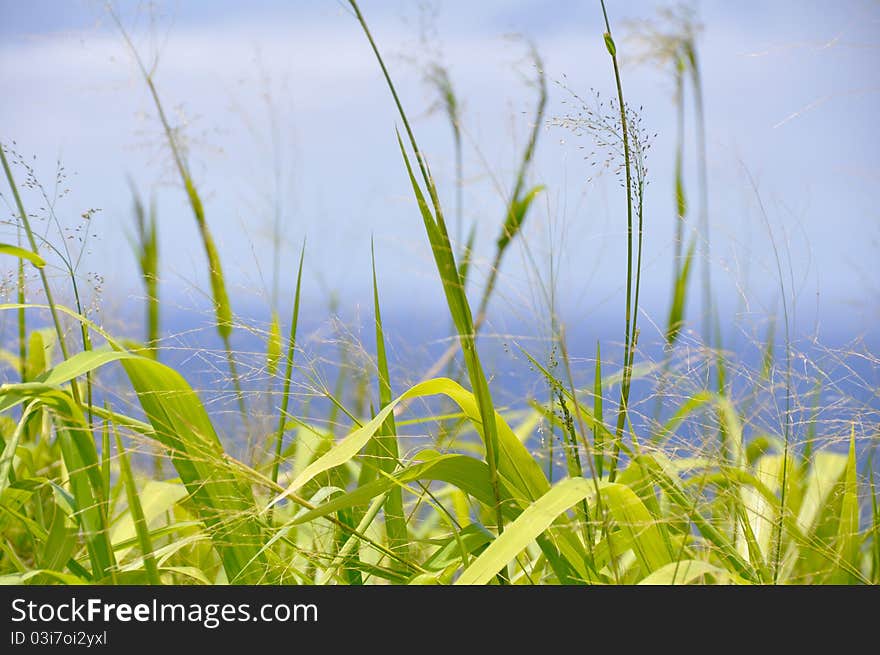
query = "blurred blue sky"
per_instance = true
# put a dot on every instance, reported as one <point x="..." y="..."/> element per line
<point x="792" y="98"/>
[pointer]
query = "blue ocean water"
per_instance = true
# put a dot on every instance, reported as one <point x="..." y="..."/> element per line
<point x="819" y="392"/>
<point x="825" y="387"/>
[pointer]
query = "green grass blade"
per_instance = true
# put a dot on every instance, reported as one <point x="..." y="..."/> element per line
<point x="679" y="297"/>
<point x="181" y="424"/>
<point x="11" y="446"/>
<point x="444" y="258"/>
<point x="515" y="463"/>
<point x="875" y="530"/>
<point x="105" y="459"/>
<point x="461" y="316"/>
<point x="810" y="437"/>
<point x="629" y="512"/>
<point x="61" y="539"/>
<point x="472" y="477"/>
<point x="36" y="356"/>
<point x="465" y="473"/>
<point x="351" y="445"/>
<point x="769" y="350"/>
<point x="137" y="512"/>
<point x="146" y="248"/>
<point x="713" y="535"/>
<point x="598" y="435"/>
<point x="518" y="209"/>
<point x="157" y="498"/>
<point x="464" y="266"/>
<point x="386" y="437"/>
<point x="83" y="467"/>
<point x="222" y="306"/>
<point x="273" y="346"/>
<point x="288" y="371"/>
<point x="756" y="556"/>
<point x="848" y="536"/>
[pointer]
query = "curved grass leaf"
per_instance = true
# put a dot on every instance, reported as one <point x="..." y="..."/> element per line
<point x="848" y="537"/>
<point x="688" y="571"/>
<point x="181" y="424"/>
<point x="515" y="464"/>
<point x="137" y="512"/>
<point x="82" y="464"/>
<point x="628" y="511"/>
<point x="21" y="253"/>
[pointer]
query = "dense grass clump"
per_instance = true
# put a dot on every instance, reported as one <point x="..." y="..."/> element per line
<point x="717" y="473"/>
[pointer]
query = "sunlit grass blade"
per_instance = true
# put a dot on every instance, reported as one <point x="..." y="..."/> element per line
<point x="679" y="298"/>
<point x="688" y="572"/>
<point x="444" y="258"/>
<point x="848" y="536"/>
<point x="756" y="556"/>
<point x="273" y="346"/>
<point x="11" y="446"/>
<point x="648" y="545"/>
<point x="516" y="210"/>
<point x="461" y="315"/>
<point x="106" y="471"/>
<point x="470" y="476"/>
<point x="137" y="512"/>
<point x="386" y="436"/>
<point x="515" y="463"/>
<point x="288" y="370"/>
<point x="225" y="503"/>
<point x="598" y="436"/>
<point x="634" y="190"/>
<point x="875" y="530"/>
<point x="672" y="487"/>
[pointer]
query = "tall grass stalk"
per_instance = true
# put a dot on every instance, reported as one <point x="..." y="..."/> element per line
<point x="516" y="211"/>
<point x="145" y="244"/>
<point x="438" y="77"/>
<point x="385" y="441"/>
<point x="712" y="334"/>
<point x="681" y="267"/>
<point x="710" y="320"/>
<point x="787" y="420"/>
<point x="137" y="511"/>
<point x="449" y="274"/>
<point x="632" y="309"/>
<point x="222" y="307"/>
<point x="593" y="457"/>
<point x="146" y="247"/>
